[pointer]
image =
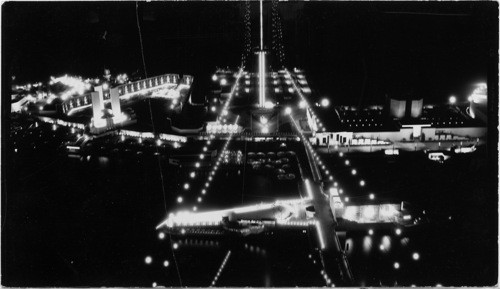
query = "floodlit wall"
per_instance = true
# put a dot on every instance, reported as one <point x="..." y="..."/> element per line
<point x="398" y="108"/>
<point x="97" y="104"/>
<point x="115" y="102"/>
<point x="416" y="108"/>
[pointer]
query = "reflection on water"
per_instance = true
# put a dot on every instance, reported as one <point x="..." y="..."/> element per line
<point x="103" y="162"/>
<point x="367" y="244"/>
<point x="386" y="242"/>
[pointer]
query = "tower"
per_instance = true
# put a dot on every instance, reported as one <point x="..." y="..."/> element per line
<point x="98" y="106"/>
<point x="262" y="62"/>
<point x="103" y="118"/>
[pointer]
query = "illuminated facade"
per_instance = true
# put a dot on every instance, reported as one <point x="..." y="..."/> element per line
<point x="104" y="120"/>
<point x="478" y="107"/>
<point x="371" y="126"/>
<point x="289" y="214"/>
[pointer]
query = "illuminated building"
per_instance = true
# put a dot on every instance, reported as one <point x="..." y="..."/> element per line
<point x="381" y="127"/>
<point x="288" y="214"/>
<point x="104" y="120"/>
<point x="478" y="107"/>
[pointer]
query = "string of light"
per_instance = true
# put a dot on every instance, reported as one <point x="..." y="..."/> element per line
<point x="221" y="268"/>
<point x="248" y="35"/>
<point x="224" y="111"/>
<point x="323" y="167"/>
<point x="323" y="273"/>
<point x="281" y="48"/>
<point x="186" y="186"/>
<point x="212" y="173"/>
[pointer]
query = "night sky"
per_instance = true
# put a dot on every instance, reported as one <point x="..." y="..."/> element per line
<point x="355" y="53"/>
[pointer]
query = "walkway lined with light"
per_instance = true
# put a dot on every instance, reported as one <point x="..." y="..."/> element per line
<point x="208" y="142"/>
<point x="325" y="225"/>
<point x="307" y="143"/>
<point x="212" y="173"/>
<point x="225" y="108"/>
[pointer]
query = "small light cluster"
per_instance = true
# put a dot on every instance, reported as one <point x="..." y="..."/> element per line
<point x="222" y="128"/>
<point x="221" y="268"/>
<point x="76" y="85"/>
<point x="232" y="157"/>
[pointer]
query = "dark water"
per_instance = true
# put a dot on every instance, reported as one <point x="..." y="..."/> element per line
<point x="91" y="221"/>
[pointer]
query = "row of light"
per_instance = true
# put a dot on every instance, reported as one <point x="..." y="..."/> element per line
<point x="304" y="104"/>
<point x="192" y="175"/>
<point x="277" y="33"/>
<point x="212" y="173"/>
<point x="158" y="142"/>
<point x="235" y="86"/>
<point x="221" y="268"/>
<point x="28" y="86"/>
<point x="248" y="35"/>
<point x="354" y="172"/>
<point x="323" y="273"/>
<point x="362" y="182"/>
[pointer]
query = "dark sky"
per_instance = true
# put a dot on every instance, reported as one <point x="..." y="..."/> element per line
<point x="354" y="52"/>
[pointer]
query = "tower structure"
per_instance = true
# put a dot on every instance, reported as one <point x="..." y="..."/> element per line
<point x="103" y="119"/>
<point x="262" y="61"/>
